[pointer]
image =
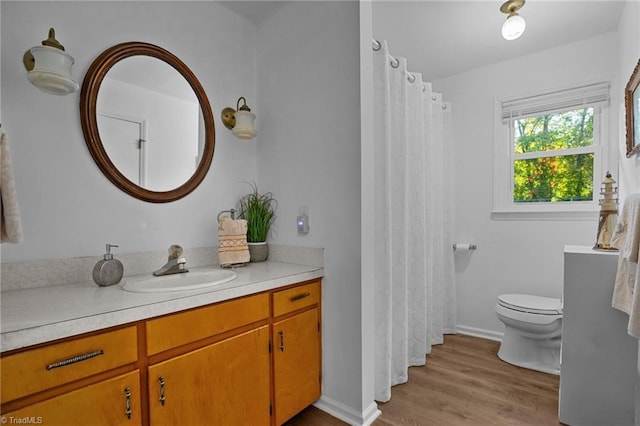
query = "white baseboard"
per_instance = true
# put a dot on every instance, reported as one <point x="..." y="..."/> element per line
<point x="347" y="414"/>
<point x="479" y="332"/>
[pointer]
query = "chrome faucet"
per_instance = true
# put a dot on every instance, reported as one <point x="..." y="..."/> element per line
<point x="176" y="264"/>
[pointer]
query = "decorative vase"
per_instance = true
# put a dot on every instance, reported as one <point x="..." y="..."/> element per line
<point x="258" y="251"/>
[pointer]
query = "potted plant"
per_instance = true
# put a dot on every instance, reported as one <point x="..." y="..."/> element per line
<point x="259" y="212"/>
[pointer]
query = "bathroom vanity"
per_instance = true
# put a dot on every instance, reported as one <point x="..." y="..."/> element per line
<point x="248" y="352"/>
<point x="599" y="358"/>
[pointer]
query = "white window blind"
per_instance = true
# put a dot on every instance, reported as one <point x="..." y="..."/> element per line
<point x="588" y="95"/>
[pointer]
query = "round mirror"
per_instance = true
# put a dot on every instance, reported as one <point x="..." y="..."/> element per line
<point x="147" y="122"/>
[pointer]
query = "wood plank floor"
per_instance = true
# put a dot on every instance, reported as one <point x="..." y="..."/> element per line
<point x="463" y="383"/>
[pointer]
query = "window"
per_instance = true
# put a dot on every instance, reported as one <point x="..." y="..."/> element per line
<point x="553" y="157"/>
<point x="548" y="151"/>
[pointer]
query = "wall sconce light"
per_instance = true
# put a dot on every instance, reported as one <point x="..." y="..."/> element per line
<point x="49" y="67"/>
<point x="515" y="24"/>
<point x="240" y="120"/>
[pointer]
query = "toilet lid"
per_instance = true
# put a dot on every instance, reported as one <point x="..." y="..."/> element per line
<point x="531" y="304"/>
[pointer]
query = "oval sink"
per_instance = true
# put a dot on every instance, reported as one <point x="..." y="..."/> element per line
<point x="191" y="280"/>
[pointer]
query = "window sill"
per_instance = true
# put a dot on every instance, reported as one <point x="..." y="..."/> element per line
<point x="555" y="215"/>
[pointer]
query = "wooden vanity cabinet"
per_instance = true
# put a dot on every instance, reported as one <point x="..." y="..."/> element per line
<point x="297" y="353"/>
<point x="254" y="360"/>
<point x="111" y="402"/>
<point x="229" y="381"/>
<point x="226" y="382"/>
<point x="86" y="380"/>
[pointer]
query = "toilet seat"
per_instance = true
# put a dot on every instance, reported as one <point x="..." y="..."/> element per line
<point x="531" y="304"/>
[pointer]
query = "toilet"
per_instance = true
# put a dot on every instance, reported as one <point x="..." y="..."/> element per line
<point x="533" y="329"/>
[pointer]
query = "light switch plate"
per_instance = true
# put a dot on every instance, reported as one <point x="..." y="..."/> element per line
<point x="303" y="224"/>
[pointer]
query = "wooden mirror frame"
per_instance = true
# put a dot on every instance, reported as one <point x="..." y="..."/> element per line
<point x="88" y="100"/>
<point x="633" y="140"/>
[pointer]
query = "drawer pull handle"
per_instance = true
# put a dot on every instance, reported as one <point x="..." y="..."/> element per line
<point x="127" y="395"/>
<point x="281" y="334"/>
<point x="74" y="359"/>
<point x="161" y="380"/>
<point x="300" y="296"/>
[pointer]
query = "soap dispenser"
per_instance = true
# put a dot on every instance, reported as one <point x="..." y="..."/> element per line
<point x="108" y="271"/>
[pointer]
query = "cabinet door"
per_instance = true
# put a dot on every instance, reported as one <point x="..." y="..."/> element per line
<point x="226" y="383"/>
<point x="111" y="402"/>
<point x="296" y="363"/>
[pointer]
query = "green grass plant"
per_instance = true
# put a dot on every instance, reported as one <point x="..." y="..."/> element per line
<point x="259" y="212"/>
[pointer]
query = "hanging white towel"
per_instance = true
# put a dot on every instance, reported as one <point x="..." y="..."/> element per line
<point x="626" y="292"/>
<point x="232" y="242"/>
<point x="10" y="225"/>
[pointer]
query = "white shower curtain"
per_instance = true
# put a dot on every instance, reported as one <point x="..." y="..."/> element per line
<point x="414" y="276"/>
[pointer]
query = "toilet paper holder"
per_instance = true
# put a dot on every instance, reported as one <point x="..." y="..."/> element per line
<point x="464" y="246"/>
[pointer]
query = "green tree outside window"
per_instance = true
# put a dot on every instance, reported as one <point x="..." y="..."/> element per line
<point x="548" y="176"/>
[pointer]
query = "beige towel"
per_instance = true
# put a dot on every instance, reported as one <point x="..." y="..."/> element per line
<point x="232" y="242"/>
<point x="626" y="292"/>
<point x="10" y="226"/>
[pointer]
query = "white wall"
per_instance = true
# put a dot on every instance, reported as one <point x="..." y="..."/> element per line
<point x="629" y="54"/>
<point x="0" y="66"/>
<point x="367" y="188"/>
<point x="309" y="154"/>
<point x="68" y="207"/>
<point x="512" y="256"/>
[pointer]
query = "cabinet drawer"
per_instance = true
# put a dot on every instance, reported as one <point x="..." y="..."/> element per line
<point x="42" y="368"/>
<point x="289" y="300"/>
<point x="182" y="328"/>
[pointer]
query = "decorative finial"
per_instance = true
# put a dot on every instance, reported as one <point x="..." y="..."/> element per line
<point x="51" y="41"/>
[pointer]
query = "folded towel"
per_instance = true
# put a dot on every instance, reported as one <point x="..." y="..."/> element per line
<point x="626" y="238"/>
<point x="10" y="225"/>
<point x="232" y="242"/>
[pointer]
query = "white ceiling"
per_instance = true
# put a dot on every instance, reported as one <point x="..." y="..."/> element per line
<point x="446" y="37"/>
<point x="442" y="38"/>
<point x="255" y="11"/>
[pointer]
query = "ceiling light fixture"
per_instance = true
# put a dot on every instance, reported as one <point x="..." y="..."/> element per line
<point x="515" y="24"/>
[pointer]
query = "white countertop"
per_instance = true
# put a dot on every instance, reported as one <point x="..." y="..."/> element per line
<point x="588" y="250"/>
<point x="38" y="315"/>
